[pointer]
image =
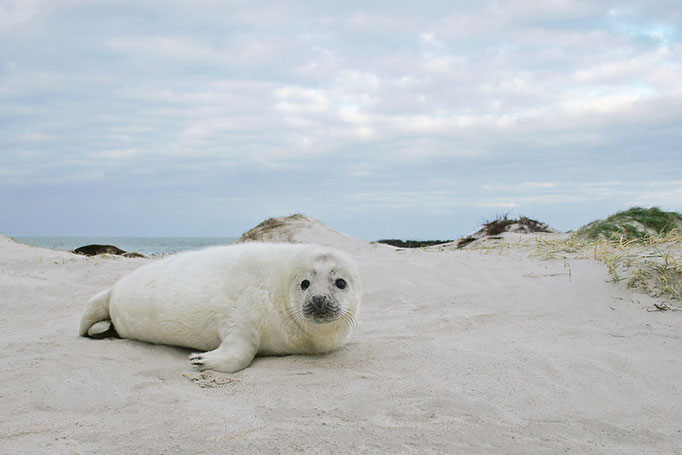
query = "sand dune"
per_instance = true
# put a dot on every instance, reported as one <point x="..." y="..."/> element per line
<point x="456" y="351"/>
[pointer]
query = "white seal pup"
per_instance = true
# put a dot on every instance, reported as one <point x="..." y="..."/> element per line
<point x="235" y="302"/>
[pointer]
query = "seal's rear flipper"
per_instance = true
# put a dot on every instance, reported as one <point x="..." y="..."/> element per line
<point x="96" y="311"/>
<point x="103" y="329"/>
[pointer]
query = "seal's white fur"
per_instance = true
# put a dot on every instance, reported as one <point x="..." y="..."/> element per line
<point x="234" y="301"/>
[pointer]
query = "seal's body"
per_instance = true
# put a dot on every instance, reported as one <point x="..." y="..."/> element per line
<point x="236" y="302"/>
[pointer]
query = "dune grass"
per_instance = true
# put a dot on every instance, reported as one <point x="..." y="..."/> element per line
<point x="501" y="224"/>
<point x="269" y="225"/>
<point x="651" y="263"/>
<point x="635" y="223"/>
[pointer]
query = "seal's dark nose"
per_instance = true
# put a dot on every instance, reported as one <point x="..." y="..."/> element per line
<point x="321" y="309"/>
<point x="319" y="301"/>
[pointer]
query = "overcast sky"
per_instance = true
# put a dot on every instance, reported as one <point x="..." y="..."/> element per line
<point x="411" y="119"/>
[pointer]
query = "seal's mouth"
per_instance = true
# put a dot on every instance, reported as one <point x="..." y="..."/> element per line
<point x="323" y="319"/>
<point x="321" y="310"/>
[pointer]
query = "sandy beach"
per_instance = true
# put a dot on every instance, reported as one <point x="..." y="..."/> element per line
<point x="476" y="351"/>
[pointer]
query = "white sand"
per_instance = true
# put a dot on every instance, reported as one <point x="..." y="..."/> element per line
<point x="455" y="352"/>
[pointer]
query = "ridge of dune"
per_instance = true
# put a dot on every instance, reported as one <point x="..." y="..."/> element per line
<point x="12" y="249"/>
<point x="299" y="228"/>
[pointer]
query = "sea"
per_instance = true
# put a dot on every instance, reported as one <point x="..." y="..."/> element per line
<point x="144" y="245"/>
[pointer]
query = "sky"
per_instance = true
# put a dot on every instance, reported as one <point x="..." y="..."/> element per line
<point x="383" y="119"/>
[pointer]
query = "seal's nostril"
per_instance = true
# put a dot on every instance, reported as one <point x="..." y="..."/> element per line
<point x="319" y="299"/>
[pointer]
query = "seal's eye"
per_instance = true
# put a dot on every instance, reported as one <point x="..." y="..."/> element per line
<point x="305" y="284"/>
<point x="341" y="283"/>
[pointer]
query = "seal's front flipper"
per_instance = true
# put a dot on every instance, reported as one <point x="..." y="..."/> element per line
<point x="235" y="353"/>
<point x="103" y="329"/>
<point x="219" y="360"/>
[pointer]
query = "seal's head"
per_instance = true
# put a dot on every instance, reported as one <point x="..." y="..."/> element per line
<point x="321" y="297"/>
<point x="326" y="289"/>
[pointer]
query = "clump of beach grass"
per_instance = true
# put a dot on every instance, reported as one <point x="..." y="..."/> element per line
<point x="270" y="225"/>
<point x="503" y="223"/>
<point x="635" y="223"/>
<point x="651" y="263"/>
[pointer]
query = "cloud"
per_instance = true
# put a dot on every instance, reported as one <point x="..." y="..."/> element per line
<point x="169" y="47"/>
<point x="16" y="13"/>
<point x="528" y="195"/>
<point x="124" y="154"/>
<point x="437" y="106"/>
